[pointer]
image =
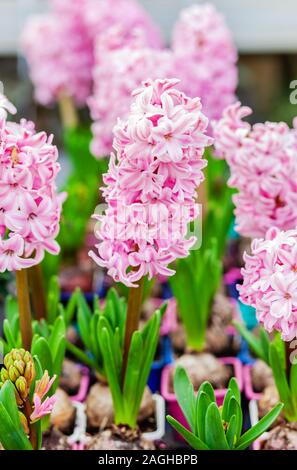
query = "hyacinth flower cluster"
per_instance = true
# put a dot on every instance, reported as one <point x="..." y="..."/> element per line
<point x="206" y="68"/>
<point x="270" y="285"/>
<point x="151" y="184"/>
<point x="205" y="58"/>
<point x="270" y="281"/>
<point x="59" y="45"/>
<point x="122" y="63"/>
<point x="29" y="206"/>
<point x="18" y="378"/>
<point x="263" y="165"/>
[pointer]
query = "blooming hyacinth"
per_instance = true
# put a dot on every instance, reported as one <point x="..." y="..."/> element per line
<point x="270" y="281"/>
<point x="263" y="165"/>
<point x="59" y="45"/>
<point x="42" y="387"/>
<point x="120" y="70"/>
<point x="205" y="58"/>
<point x="29" y="206"/>
<point x="151" y="184"/>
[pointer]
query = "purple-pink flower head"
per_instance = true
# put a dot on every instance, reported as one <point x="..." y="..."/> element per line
<point x="59" y="45"/>
<point x="270" y="281"/>
<point x="29" y="206"/>
<point x="151" y="184"/>
<point x="263" y="165"/>
<point x="205" y="58"/>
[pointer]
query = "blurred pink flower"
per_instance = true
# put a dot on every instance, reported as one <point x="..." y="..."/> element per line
<point x="270" y="281"/>
<point x="263" y="169"/>
<point x="59" y="45"/>
<point x="145" y="224"/>
<point x="29" y="205"/>
<point x="205" y="58"/>
<point x="119" y="69"/>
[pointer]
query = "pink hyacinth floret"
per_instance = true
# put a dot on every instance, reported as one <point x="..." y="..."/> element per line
<point x="270" y="281"/>
<point x="205" y="58"/>
<point x="59" y="45"/>
<point x="263" y="166"/>
<point x="123" y="62"/>
<point x="151" y="184"/>
<point x="45" y="407"/>
<point x="29" y="205"/>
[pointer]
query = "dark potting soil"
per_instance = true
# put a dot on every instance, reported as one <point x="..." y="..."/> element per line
<point x="55" y="440"/>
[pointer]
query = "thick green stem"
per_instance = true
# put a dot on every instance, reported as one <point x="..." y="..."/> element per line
<point x="132" y="321"/>
<point x="32" y="429"/>
<point x="37" y="292"/>
<point x="24" y="308"/>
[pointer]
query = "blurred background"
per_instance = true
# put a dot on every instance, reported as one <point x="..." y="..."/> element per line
<point x="265" y="33"/>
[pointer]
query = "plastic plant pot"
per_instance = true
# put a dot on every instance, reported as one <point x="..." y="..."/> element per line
<point x="248" y="385"/>
<point x="159" y="432"/>
<point x="80" y="396"/>
<point x="154" y="380"/>
<point x="171" y="401"/>
<point x="254" y="418"/>
<point x="79" y="438"/>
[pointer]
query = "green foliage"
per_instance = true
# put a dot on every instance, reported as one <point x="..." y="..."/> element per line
<point x="12" y="435"/>
<point x="82" y="190"/>
<point x="274" y="354"/>
<point x="213" y="427"/>
<point x="49" y="342"/>
<point x="198" y="276"/>
<point x="114" y="312"/>
<point x="88" y="321"/>
<point x="194" y="285"/>
<point x="127" y="393"/>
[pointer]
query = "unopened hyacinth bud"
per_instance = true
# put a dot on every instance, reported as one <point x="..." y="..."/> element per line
<point x="24" y="422"/>
<point x="20" y="370"/>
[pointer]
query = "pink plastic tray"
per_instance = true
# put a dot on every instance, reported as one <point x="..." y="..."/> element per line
<point x="84" y="385"/>
<point x="248" y="386"/>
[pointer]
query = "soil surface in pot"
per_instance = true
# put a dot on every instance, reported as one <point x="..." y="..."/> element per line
<point x="99" y="409"/>
<point x="64" y="412"/>
<point x="201" y="367"/>
<point x="261" y="375"/>
<point x="119" y="438"/>
<point x="282" y="437"/>
<point x="55" y="440"/>
<point x="70" y="377"/>
<point x="218" y="340"/>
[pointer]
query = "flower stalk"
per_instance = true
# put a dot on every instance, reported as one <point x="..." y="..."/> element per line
<point x="37" y="291"/>
<point x="132" y="322"/>
<point x="24" y="308"/>
<point x="68" y="112"/>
